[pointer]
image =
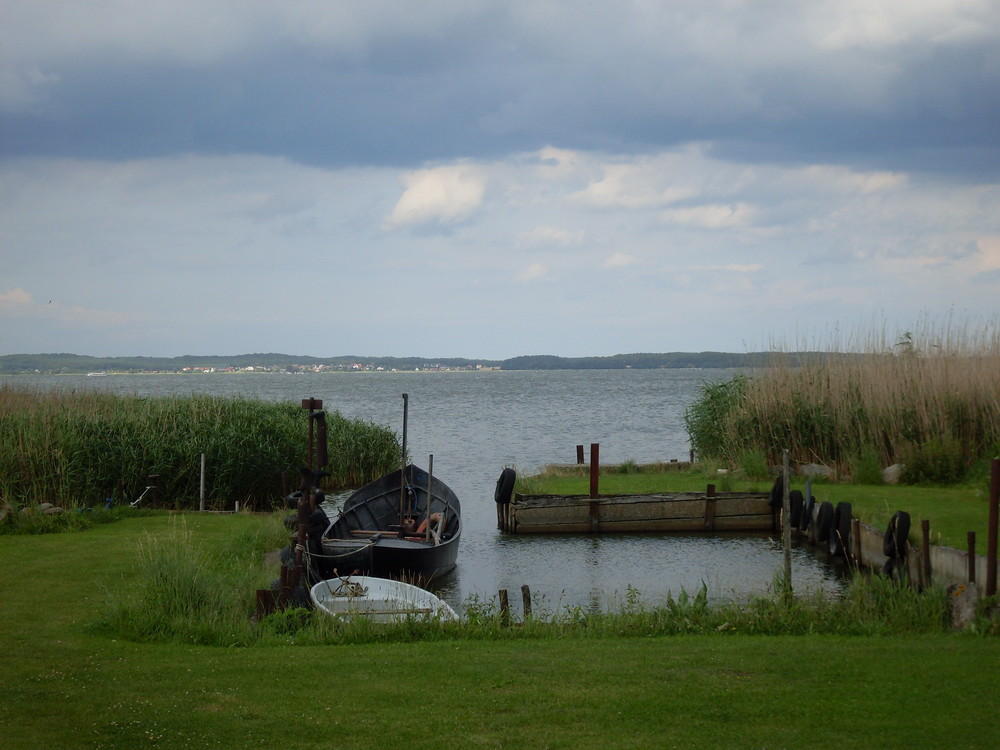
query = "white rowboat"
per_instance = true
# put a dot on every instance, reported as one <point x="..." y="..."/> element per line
<point x="378" y="599"/>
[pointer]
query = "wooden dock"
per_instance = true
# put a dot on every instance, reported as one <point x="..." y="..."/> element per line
<point x="680" y="511"/>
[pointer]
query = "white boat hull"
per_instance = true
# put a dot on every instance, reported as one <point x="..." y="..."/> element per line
<point x="378" y="600"/>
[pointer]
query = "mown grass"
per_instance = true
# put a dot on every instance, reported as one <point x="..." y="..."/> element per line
<point x="952" y="511"/>
<point x="929" y="399"/>
<point x="70" y="683"/>
<point x="77" y="449"/>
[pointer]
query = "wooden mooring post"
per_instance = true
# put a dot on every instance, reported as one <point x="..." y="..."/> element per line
<point x="526" y="600"/>
<point x="786" y="523"/>
<point x="970" y="538"/>
<point x="595" y="468"/>
<point x="504" y="608"/>
<point x="991" y="542"/>
<point x="579" y="455"/>
<point x="925" y="551"/>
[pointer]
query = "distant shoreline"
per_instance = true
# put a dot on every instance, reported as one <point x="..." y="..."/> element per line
<point x="75" y="364"/>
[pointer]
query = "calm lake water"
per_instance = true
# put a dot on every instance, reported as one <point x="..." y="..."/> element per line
<point x="476" y="423"/>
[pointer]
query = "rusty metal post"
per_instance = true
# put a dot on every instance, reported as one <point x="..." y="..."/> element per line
<point x="970" y="538"/>
<point x="595" y="466"/>
<point x="991" y="541"/>
<point x="579" y="454"/>
<point x="925" y="549"/>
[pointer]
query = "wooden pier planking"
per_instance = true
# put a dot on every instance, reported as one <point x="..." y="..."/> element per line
<point x="685" y="511"/>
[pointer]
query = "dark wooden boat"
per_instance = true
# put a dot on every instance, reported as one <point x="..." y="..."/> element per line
<point x="382" y="529"/>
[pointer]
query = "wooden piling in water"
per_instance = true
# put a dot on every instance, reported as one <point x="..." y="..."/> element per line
<point x="595" y="468"/>
<point x="526" y="600"/>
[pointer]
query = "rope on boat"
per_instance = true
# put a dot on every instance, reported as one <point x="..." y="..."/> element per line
<point x="354" y="551"/>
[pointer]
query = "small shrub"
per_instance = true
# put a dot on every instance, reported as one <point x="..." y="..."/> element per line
<point x="754" y="465"/>
<point x="629" y="466"/>
<point x="866" y="467"/>
<point x="936" y="461"/>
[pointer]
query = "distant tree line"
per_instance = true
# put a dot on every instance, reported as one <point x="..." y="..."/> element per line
<point x="13" y="364"/>
<point x="671" y="360"/>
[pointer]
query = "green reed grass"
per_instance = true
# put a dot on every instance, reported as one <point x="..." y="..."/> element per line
<point x="73" y="449"/>
<point x="203" y="593"/>
<point x="193" y="593"/>
<point x="929" y="399"/>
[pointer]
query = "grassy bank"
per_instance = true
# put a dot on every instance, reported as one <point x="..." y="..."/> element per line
<point x="953" y="511"/>
<point x="68" y="683"/>
<point x="929" y="399"/>
<point x="76" y="449"/>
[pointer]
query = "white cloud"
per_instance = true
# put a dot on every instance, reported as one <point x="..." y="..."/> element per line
<point x="441" y="195"/>
<point x="15" y="302"/>
<point x="547" y="236"/>
<point x="846" y="24"/>
<point x="731" y="267"/>
<point x="715" y="216"/>
<point x="533" y="272"/>
<point x="635" y="185"/>
<point x="620" y="260"/>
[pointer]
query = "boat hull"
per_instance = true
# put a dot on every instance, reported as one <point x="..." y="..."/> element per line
<point x="367" y="538"/>
<point x="378" y="600"/>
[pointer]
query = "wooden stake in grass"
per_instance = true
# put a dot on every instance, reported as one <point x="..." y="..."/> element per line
<point x="786" y="526"/>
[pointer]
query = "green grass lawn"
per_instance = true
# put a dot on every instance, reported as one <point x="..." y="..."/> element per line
<point x="952" y="511"/>
<point x="68" y="684"/>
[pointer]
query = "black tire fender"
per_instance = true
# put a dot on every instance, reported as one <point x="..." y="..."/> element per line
<point x="777" y="493"/>
<point x="840" y="530"/>
<point x="505" y="485"/>
<point x="894" y="543"/>
<point x="824" y="521"/>
<point x="806" y="518"/>
<point x="795" y="503"/>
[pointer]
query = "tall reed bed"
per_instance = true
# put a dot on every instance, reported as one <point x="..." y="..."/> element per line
<point x="72" y="448"/>
<point x="929" y="399"/>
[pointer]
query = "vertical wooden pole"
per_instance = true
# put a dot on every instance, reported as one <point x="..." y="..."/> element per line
<point x="595" y="465"/>
<point x="855" y="552"/>
<point x="579" y="454"/>
<point x="970" y="538"/>
<point x="201" y="492"/>
<point x="991" y="540"/>
<point x="710" y="508"/>
<point x="925" y="549"/>
<point x="504" y="608"/>
<point x="786" y="526"/>
<point x="402" y="460"/>
<point x="526" y="600"/>
<point x="430" y="484"/>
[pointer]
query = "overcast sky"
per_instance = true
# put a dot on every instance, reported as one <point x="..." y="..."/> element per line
<point x="478" y="178"/>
